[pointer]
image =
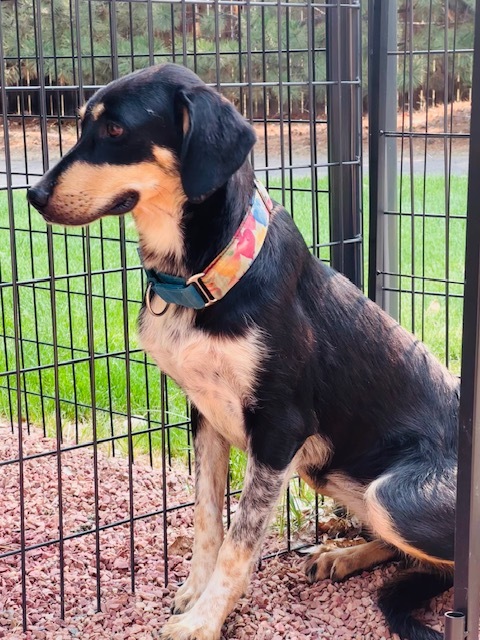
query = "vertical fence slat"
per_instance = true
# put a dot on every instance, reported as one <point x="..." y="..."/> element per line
<point x="382" y="115"/>
<point x="467" y="539"/>
<point x="345" y="138"/>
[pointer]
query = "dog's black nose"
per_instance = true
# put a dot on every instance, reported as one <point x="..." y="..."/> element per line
<point x="38" y="196"/>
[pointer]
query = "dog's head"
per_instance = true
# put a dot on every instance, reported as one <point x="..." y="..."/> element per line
<point x="157" y="134"/>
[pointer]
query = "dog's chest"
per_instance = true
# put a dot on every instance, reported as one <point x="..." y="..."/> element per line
<point x="218" y="374"/>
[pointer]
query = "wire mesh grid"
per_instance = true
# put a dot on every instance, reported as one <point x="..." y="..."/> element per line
<point x="423" y="145"/>
<point x="75" y="389"/>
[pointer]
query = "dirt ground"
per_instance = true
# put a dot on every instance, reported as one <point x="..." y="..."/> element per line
<point x="452" y="118"/>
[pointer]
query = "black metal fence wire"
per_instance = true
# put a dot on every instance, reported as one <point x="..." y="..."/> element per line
<point x="70" y="366"/>
<point x="418" y="167"/>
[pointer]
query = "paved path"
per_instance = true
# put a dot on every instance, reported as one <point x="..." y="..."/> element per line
<point x="435" y="166"/>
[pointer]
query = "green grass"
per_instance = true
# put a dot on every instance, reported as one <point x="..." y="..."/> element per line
<point x="425" y="311"/>
<point x="435" y="247"/>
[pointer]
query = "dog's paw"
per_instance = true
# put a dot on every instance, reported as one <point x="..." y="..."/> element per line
<point x="325" y="562"/>
<point x="188" y="627"/>
<point x="186" y="596"/>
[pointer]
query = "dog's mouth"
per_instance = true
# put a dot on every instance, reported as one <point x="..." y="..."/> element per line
<point x="126" y="202"/>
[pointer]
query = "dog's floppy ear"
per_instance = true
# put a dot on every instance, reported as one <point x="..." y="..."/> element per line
<point x="216" y="141"/>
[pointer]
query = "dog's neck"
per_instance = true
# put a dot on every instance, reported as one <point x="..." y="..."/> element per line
<point x="182" y="238"/>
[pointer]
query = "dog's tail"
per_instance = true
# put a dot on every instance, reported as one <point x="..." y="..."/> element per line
<point x="409" y="591"/>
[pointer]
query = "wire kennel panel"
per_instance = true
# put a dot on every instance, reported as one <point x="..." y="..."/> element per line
<point x="419" y="89"/>
<point x="76" y="392"/>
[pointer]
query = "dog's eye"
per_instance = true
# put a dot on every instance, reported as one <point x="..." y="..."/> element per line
<point x="114" y="130"/>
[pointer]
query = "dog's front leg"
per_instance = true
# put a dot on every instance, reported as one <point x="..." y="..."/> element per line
<point x="239" y="550"/>
<point x="211" y="466"/>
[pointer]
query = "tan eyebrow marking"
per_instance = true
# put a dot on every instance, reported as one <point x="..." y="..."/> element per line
<point x="82" y="111"/>
<point x="97" y="110"/>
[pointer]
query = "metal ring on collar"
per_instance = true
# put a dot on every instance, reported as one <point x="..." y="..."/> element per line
<point x="148" y="302"/>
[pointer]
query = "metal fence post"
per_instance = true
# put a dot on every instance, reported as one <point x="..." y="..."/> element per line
<point x="454" y="625"/>
<point x="467" y="539"/>
<point x="382" y="116"/>
<point x="345" y="136"/>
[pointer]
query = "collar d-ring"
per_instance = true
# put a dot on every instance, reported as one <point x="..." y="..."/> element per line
<point x="148" y="302"/>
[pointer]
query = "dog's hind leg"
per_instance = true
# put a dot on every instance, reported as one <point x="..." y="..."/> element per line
<point x="340" y="563"/>
<point x="211" y="465"/>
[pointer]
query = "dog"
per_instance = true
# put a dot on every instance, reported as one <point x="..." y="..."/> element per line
<point x="279" y="354"/>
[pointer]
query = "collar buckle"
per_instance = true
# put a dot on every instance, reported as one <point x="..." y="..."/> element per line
<point x="202" y="289"/>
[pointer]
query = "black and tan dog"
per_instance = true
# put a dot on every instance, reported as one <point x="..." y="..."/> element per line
<point x="294" y="365"/>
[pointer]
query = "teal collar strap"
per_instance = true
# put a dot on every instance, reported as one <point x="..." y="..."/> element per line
<point x="204" y="289"/>
<point x="176" y="290"/>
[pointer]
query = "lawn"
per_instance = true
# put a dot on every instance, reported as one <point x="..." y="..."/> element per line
<point x="94" y="271"/>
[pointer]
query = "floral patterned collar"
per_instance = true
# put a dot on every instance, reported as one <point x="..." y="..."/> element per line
<point x="204" y="289"/>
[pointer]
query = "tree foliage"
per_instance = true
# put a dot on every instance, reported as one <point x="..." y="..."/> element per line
<point x="441" y="33"/>
<point x="213" y="40"/>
